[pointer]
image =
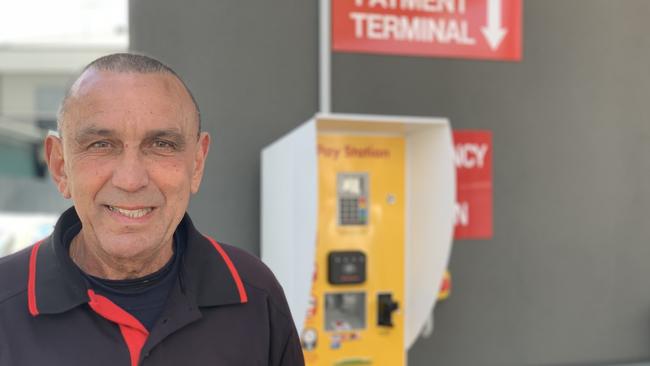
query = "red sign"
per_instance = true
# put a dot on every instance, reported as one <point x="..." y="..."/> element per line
<point x="473" y="153"/>
<point x="481" y="29"/>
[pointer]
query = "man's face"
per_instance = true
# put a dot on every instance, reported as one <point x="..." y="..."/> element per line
<point x="130" y="157"/>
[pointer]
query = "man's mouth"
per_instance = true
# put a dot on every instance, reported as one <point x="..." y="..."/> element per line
<point x="133" y="214"/>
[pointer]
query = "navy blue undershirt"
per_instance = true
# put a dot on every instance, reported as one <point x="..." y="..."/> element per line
<point x="144" y="297"/>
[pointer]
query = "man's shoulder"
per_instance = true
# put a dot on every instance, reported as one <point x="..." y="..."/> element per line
<point x="14" y="270"/>
<point x="255" y="274"/>
<point x="250" y="268"/>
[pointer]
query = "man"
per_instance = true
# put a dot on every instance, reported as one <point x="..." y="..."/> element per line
<point x="126" y="279"/>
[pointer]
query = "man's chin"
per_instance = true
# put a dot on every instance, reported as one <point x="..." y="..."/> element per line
<point x="129" y="247"/>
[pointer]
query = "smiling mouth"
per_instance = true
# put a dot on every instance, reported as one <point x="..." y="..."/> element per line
<point x="133" y="214"/>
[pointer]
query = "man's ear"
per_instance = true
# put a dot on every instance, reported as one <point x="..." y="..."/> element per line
<point x="199" y="160"/>
<point x="56" y="164"/>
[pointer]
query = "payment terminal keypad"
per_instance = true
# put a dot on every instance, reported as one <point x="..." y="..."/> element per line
<point x="352" y="191"/>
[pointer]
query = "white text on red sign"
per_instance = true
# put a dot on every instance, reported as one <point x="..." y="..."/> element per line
<point x="413" y="28"/>
<point x="461" y="214"/>
<point x="469" y="155"/>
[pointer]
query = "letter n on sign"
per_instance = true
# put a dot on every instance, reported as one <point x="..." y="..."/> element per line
<point x="473" y="158"/>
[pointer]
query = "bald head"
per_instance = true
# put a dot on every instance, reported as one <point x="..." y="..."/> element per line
<point x="122" y="63"/>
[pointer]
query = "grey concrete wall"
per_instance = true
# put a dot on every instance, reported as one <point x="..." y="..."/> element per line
<point x="563" y="281"/>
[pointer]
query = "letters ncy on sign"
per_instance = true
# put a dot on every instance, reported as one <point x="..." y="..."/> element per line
<point x="473" y="158"/>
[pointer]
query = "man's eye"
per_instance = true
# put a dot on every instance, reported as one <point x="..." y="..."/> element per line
<point x="164" y="145"/>
<point x="100" y="145"/>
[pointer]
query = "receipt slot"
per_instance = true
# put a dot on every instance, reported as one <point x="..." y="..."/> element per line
<point x="357" y="222"/>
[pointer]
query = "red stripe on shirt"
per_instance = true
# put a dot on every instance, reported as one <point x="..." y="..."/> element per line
<point x="31" y="280"/>
<point x="243" y="297"/>
<point x="134" y="333"/>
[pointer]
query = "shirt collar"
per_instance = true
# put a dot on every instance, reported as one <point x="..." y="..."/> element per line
<point x="208" y="276"/>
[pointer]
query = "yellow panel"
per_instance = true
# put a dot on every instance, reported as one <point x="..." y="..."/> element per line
<point x="380" y="160"/>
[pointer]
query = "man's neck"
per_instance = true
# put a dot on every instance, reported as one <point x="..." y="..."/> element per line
<point x="104" y="266"/>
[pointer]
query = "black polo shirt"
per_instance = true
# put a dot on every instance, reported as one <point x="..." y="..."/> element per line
<point x="226" y="308"/>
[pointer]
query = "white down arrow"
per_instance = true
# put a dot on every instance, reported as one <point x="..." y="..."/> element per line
<point x="493" y="32"/>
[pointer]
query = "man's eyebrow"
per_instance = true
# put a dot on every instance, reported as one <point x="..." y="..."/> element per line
<point x="92" y="131"/>
<point x="170" y="133"/>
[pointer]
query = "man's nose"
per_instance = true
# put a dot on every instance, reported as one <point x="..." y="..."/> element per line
<point x="130" y="172"/>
